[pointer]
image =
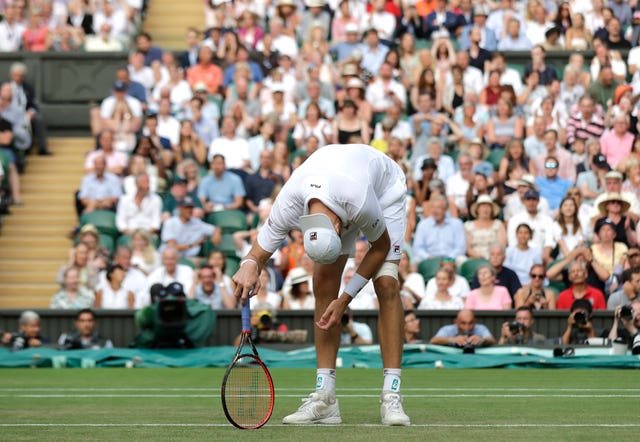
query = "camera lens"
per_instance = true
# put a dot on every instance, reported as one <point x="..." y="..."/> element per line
<point x="580" y="317"/>
<point x="514" y="327"/>
<point x="626" y="313"/>
<point x="345" y="320"/>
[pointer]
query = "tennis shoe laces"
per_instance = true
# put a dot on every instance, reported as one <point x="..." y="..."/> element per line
<point x="318" y="408"/>
<point x="391" y="409"/>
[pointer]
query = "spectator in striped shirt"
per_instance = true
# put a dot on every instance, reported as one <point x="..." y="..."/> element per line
<point x="586" y="124"/>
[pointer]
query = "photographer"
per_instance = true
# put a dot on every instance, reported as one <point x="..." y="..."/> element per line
<point x="354" y="333"/>
<point x="264" y="325"/>
<point x="519" y="331"/>
<point x="579" y="326"/>
<point x="29" y="334"/>
<point x="626" y="323"/>
<point x="533" y="295"/>
<point x="85" y="335"/>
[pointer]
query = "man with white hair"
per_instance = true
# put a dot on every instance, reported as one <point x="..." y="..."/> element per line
<point x="170" y="271"/>
<point x="29" y="334"/>
<point x="338" y="192"/>
<point x="25" y="100"/>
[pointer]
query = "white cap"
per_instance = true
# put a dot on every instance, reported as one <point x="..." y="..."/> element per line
<point x="321" y="242"/>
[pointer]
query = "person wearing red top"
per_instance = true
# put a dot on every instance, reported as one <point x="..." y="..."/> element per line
<point x="580" y="290"/>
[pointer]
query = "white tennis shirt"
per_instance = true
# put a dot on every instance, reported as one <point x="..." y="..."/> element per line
<point x="356" y="181"/>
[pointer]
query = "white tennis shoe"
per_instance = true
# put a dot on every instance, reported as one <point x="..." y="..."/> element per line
<point x="318" y="408"/>
<point x="391" y="409"/>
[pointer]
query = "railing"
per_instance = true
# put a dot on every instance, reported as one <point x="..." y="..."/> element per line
<point x="119" y="325"/>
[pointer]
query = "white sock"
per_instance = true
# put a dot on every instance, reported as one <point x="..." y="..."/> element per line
<point x="392" y="380"/>
<point x="326" y="380"/>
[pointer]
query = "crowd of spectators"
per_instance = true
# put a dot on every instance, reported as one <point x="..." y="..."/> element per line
<point x="527" y="175"/>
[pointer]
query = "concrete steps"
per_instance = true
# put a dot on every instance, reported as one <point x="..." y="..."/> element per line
<point x="167" y="21"/>
<point x="34" y="242"/>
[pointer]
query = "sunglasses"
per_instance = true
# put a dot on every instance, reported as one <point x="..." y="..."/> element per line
<point x="537" y="276"/>
<point x="551" y="165"/>
<point x="448" y="260"/>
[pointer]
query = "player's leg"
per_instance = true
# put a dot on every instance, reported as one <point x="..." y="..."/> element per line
<point x="391" y="317"/>
<point x="321" y="407"/>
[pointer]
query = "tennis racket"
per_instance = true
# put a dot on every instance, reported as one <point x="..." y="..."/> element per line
<point x="247" y="388"/>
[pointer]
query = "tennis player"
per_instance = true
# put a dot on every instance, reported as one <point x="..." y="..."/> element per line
<point x="338" y="193"/>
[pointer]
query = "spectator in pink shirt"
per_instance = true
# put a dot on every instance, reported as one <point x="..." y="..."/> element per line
<point x="488" y="296"/>
<point x="617" y="142"/>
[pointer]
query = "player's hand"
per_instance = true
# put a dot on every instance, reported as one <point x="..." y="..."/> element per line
<point x="247" y="281"/>
<point x="332" y="316"/>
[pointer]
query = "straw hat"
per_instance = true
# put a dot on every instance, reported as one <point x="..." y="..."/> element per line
<point x="298" y="275"/>
<point x="613" y="196"/>
<point x="484" y="199"/>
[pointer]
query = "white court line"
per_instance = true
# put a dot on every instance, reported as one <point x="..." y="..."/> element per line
<point x="439" y="396"/>
<point x="27" y="389"/>
<point x="180" y="425"/>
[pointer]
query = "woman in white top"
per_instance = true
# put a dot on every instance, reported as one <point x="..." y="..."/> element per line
<point x="459" y="286"/>
<point x="144" y="255"/>
<point x="442" y="299"/>
<point x="112" y="295"/>
<point x="300" y="296"/>
<point x="567" y="231"/>
<point x="265" y="296"/>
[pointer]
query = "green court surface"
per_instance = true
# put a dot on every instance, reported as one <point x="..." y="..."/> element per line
<point x="184" y="404"/>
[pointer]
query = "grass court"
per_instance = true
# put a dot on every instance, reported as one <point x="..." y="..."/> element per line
<point x="184" y="404"/>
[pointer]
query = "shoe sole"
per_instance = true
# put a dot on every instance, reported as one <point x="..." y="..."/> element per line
<point x="396" y="424"/>
<point x="325" y="421"/>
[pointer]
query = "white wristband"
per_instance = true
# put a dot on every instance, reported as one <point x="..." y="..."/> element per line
<point x="246" y="260"/>
<point x="355" y="285"/>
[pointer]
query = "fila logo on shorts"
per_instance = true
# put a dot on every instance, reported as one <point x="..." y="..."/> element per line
<point x="313" y="236"/>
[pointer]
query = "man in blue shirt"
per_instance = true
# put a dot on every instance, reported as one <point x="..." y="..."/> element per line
<point x="373" y="52"/>
<point x="514" y="40"/>
<point x="221" y="189"/>
<point x="186" y="233"/>
<point x="100" y="189"/>
<point x="551" y="186"/>
<point x="465" y="332"/>
<point x="439" y="235"/>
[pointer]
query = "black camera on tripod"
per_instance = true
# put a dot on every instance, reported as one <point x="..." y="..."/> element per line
<point x="581" y="318"/>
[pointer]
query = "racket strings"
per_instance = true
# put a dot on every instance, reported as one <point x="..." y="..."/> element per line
<point x="248" y="393"/>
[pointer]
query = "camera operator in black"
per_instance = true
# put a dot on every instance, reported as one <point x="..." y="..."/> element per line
<point x="85" y="335"/>
<point x="519" y="331"/>
<point x="29" y="334"/>
<point x="354" y="333"/>
<point x="626" y="323"/>
<point x="579" y="325"/>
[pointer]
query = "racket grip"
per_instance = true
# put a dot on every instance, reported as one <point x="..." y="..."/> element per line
<point x="246" y="316"/>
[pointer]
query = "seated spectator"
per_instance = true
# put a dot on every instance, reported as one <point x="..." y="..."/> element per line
<point x="139" y="211"/>
<point x="457" y="186"/>
<point x="79" y="259"/>
<point x="300" y="295"/>
<point x="190" y="145"/>
<point x="234" y="149"/>
<point x="100" y="189"/>
<point x="265" y="296"/>
<point x="177" y="192"/>
<point x="459" y="286"/>
<point x="552" y="187"/>
<point x="439" y="235"/>
<point x="262" y="183"/>
<point x="617" y="142"/>
<point x="16" y="113"/>
<point x="443" y="298"/>
<point x="568" y="232"/>
<point x="520" y="331"/>
<point x="411" y="333"/>
<point x="515" y="202"/>
<point x="85" y="336"/>
<point x="11" y="28"/>
<point x="206" y="71"/>
<point x="137" y="166"/>
<point x="488" y="296"/>
<point x="629" y="291"/>
<point x="540" y="224"/>
<point x="533" y="295"/>
<point x="484" y="229"/>
<point x="609" y="253"/>
<point x="71" y="294"/>
<point x="121" y="114"/>
<point x="186" y="233"/>
<point x="579" y="289"/>
<point x="504" y="126"/>
<point x="313" y="123"/>
<point x="353" y="332"/>
<point x="349" y="125"/>
<point x="513" y="39"/>
<point x="171" y="271"/>
<point x="615" y="207"/>
<point x="218" y="260"/>
<point x="37" y="36"/>
<point x="29" y="334"/>
<point x="144" y="255"/>
<point x="116" y="162"/>
<point x="210" y="290"/>
<point x="178" y="90"/>
<point x="221" y="189"/>
<point x="103" y="40"/>
<point x="465" y="332"/>
<point x="579" y="326"/>
<point x="521" y="257"/>
<point x="113" y="294"/>
<point x="504" y="276"/>
<point x="412" y="285"/>
<point x="626" y="328"/>
<point x="6" y="146"/>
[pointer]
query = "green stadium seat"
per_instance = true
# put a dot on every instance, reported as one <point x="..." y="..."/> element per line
<point x="495" y="156"/>
<point x="295" y="154"/>
<point x="469" y="268"/>
<point x="226" y="246"/>
<point x="187" y="262"/>
<point x="103" y="220"/>
<point x="428" y="267"/>
<point x="4" y="161"/>
<point x="125" y="240"/>
<point x="233" y="263"/>
<point x="228" y="220"/>
<point x="107" y="242"/>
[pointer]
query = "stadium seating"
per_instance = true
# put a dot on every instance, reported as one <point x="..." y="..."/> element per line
<point x="228" y="220"/>
<point x="494" y="158"/>
<point x="428" y="267"/>
<point x="103" y="220"/>
<point x="469" y="268"/>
